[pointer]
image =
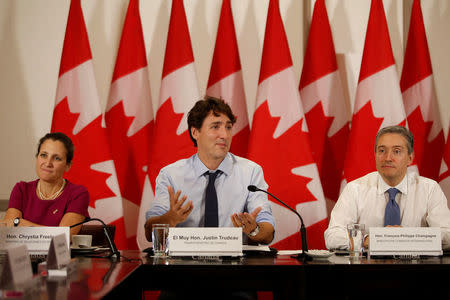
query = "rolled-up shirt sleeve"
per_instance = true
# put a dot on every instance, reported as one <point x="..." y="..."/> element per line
<point x="259" y="199"/>
<point x="161" y="203"/>
<point x="439" y="214"/>
<point x="344" y="212"/>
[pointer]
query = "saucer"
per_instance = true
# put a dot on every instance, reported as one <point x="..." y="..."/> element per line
<point x="319" y="254"/>
<point x="82" y="250"/>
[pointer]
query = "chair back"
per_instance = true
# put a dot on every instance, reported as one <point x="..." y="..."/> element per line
<point x="98" y="236"/>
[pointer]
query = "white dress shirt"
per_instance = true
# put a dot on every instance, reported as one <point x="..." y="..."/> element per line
<point x="421" y="200"/>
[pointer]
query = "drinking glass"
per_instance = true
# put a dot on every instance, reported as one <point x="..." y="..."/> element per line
<point x="160" y="232"/>
<point x="355" y="239"/>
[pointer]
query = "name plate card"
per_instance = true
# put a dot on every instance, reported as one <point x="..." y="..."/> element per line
<point x="17" y="270"/>
<point x="405" y="241"/>
<point x="58" y="254"/>
<point x="37" y="239"/>
<point x="205" y="241"/>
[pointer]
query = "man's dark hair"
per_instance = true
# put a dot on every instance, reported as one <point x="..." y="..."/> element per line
<point x="59" y="136"/>
<point x="201" y="110"/>
<point x="403" y="131"/>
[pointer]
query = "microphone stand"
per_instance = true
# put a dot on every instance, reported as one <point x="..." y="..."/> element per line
<point x="303" y="255"/>
<point x="115" y="254"/>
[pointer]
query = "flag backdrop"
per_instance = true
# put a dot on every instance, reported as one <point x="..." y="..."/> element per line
<point x="179" y="92"/>
<point x="77" y="113"/>
<point x="294" y="160"/>
<point x="444" y="177"/>
<point x="225" y="78"/>
<point x="419" y="98"/>
<point x="129" y="123"/>
<point x="279" y="142"/>
<point x="326" y="109"/>
<point x="378" y="101"/>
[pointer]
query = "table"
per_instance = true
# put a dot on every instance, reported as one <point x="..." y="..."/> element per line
<point x="280" y="275"/>
<point x="344" y="278"/>
<point x="93" y="278"/>
<point x="100" y="278"/>
<point x="338" y="277"/>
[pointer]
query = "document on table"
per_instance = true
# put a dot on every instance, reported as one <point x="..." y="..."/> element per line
<point x="255" y="248"/>
<point x="289" y="252"/>
<point x="265" y="248"/>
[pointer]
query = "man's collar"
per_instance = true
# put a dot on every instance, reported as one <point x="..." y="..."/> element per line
<point x="383" y="186"/>
<point x="225" y="166"/>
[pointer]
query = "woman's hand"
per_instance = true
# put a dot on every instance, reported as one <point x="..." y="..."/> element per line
<point x="11" y="214"/>
<point x="6" y="223"/>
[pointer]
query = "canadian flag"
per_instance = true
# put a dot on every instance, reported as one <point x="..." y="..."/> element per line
<point x="225" y="78"/>
<point x="419" y="98"/>
<point x="279" y="142"/>
<point x="179" y="92"/>
<point x="378" y="101"/>
<point x="77" y="113"/>
<point x="129" y="123"/>
<point x="326" y="110"/>
<point x="444" y="177"/>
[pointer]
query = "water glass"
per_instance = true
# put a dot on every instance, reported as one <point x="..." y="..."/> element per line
<point x="160" y="233"/>
<point x="355" y="239"/>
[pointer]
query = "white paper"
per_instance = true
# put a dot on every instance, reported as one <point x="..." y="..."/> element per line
<point x="256" y="248"/>
<point x="289" y="252"/>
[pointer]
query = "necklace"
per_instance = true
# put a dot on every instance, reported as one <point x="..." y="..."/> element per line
<point x="51" y="197"/>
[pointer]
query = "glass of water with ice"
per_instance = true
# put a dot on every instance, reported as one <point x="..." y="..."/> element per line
<point x="160" y="232"/>
<point x="355" y="239"/>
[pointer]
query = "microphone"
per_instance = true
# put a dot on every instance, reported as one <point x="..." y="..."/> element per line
<point x="253" y="188"/>
<point x="115" y="254"/>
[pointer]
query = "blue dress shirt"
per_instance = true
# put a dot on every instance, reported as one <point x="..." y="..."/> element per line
<point x="188" y="176"/>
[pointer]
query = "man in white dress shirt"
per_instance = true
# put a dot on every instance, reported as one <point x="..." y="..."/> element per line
<point x="416" y="202"/>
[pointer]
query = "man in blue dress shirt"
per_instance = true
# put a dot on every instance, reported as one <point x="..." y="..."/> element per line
<point x="181" y="187"/>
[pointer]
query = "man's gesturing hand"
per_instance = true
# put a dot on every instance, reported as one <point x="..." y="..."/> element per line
<point x="178" y="212"/>
<point x="246" y="220"/>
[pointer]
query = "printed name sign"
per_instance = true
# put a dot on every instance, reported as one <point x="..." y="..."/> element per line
<point x="205" y="241"/>
<point x="405" y="241"/>
<point x="17" y="270"/>
<point x="58" y="254"/>
<point x="37" y="239"/>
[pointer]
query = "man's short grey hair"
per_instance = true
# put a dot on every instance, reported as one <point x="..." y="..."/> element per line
<point x="403" y="131"/>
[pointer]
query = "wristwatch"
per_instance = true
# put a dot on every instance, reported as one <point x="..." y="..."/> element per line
<point x="255" y="231"/>
<point x="16" y="222"/>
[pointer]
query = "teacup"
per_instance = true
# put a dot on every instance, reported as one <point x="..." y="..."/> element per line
<point x="82" y="241"/>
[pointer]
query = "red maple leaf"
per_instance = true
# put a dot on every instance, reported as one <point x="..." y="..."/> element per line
<point x="446" y="159"/>
<point x="318" y="125"/>
<point x="131" y="154"/>
<point x="333" y="162"/>
<point x="428" y="155"/>
<point x="239" y="144"/>
<point x="91" y="147"/>
<point x="360" y="157"/>
<point x="279" y="156"/>
<point x="328" y="152"/>
<point x="169" y="146"/>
